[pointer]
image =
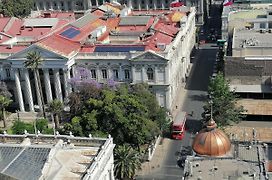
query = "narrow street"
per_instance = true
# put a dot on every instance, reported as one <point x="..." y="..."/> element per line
<point x="196" y="87"/>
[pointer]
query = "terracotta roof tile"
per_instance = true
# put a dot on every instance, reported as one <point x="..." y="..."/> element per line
<point x="59" y="45"/>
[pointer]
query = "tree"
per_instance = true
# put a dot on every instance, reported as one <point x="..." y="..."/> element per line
<point x="126" y="161"/>
<point x="130" y="114"/>
<point x="17" y="8"/>
<point x="224" y="107"/>
<point x="4" y="102"/>
<point x="55" y="108"/>
<point x="33" y="62"/>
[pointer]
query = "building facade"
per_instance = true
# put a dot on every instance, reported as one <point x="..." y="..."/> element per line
<point x="158" y="57"/>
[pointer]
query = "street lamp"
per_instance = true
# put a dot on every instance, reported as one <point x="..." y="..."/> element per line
<point x="18" y="115"/>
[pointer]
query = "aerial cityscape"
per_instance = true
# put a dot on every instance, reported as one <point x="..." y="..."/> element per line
<point x="135" y="89"/>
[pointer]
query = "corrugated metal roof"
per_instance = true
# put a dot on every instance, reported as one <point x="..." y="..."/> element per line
<point x="40" y="22"/>
<point x="88" y="18"/>
<point x="28" y="164"/>
<point x="256" y="106"/>
<point x="134" y="20"/>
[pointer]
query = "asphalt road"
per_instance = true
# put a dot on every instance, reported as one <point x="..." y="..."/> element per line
<point x="197" y="84"/>
<point x="194" y="100"/>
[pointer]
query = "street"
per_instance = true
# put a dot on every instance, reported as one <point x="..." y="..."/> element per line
<point x="196" y="87"/>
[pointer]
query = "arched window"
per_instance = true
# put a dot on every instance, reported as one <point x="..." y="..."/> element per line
<point x="150" y="74"/>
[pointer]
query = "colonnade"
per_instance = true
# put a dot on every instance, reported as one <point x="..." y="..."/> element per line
<point x="67" y="5"/>
<point x="21" y="75"/>
<point x="71" y="5"/>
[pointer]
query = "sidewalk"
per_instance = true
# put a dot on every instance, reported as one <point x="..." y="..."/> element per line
<point x="182" y="92"/>
<point x="158" y="158"/>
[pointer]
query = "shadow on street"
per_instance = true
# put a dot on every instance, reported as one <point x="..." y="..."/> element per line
<point x="200" y="97"/>
<point x="193" y="125"/>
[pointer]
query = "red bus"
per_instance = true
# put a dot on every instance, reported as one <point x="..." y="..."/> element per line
<point x="178" y="126"/>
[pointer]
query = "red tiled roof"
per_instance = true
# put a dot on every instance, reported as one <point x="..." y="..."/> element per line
<point x="3" y="22"/>
<point x="87" y="49"/>
<point x="59" y="45"/>
<point x="98" y="13"/>
<point x="14" y="49"/>
<point x="164" y="32"/>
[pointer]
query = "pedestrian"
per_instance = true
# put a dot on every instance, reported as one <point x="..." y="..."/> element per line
<point x="192" y="113"/>
<point x="176" y="107"/>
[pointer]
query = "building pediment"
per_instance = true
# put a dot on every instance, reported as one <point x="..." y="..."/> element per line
<point x="45" y="54"/>
<point x="149" y="56"/>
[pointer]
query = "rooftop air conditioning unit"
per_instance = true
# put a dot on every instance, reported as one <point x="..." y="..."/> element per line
<point x="161" y="46"/>
<point x="10" y="46"/>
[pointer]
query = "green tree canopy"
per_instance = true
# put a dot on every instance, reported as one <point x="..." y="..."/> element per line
<point x="130" y="114"/>
<point x="224" y="107"/>
<point x="17" y="8"/>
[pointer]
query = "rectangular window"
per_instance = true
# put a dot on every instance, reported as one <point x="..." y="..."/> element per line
<point x="262" y="25"/>
<point x="115" y="74"/>
<point x="93" y="73"/>
<point x="104" y="74"/>
<point x="127" y="74"/>
<point x="8" y="73"/>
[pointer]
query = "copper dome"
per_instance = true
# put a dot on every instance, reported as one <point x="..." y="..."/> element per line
<point x="211" y="141"/>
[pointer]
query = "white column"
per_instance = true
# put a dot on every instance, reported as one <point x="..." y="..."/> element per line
<point x="156" y="74"/>
<point x="97" y="74"/>
<point x="58" y="5"/>
<point x="44" y="6"/>
<point x="120" y="73"/>
<point x="19" y="90"/>
<point x="133" y="74"/>
<point x="1" y="73"/>
<point x="73" y="71"/>
<point x="51" y="5"/>
<point x="155" y="4"/>
<point x="143" y="74"/>
<point x="166" y="71"/>
<point x="167" y="99"/>
<point x="28" y="90"/>
<point x="84" y="5"/>
<point x="66" y="77"/>
<point x="66" y="6"/>
<point x="47" y="84"/>
<point x="73" y="5"/>
<point x="129" y="3"/>
<point x="146" y="4"/>
<point x="57" y="85"/>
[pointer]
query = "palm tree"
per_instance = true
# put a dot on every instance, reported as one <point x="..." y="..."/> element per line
<point x="55" y="108"/>
<point x="33" y="62"/>
<point x="127" y="161"/>
<point x="4" y="102"/>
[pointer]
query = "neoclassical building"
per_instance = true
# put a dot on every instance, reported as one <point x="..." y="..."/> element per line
<point x="131" y="47"/>
<point x="202" y="6"/>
